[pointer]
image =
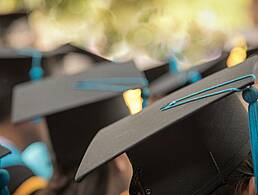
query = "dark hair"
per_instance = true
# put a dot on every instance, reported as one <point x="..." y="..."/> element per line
<point x="238" y="181"/>
<point x="235" y="184"/>
<point x="106" y="180"/>
<point x="94" y="184"/>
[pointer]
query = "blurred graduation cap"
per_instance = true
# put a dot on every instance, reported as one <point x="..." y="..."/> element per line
<point x="68" y="48"/>
<point x="252" y="52"/>
<point x="53" y="61"/>
<point x="14" y="69"/>
<point x="77" y="106"/>
<point x="155" y="72"/>
<point x="170" y="82"/>
<point x="181" y="144"/>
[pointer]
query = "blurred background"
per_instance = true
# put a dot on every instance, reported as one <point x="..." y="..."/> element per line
<point x="143" y="30"/>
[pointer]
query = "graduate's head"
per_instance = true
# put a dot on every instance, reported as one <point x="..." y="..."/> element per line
<point x="240" y="181"/>
<point x="16" y="68"/>
<point x="77" y="106"/>
<point x="189" y="142"/>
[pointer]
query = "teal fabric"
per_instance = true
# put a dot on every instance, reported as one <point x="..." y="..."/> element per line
<point x="194" y="76"/>
<point x="37" y="158"/>
<point x="173" y="66"/>
<point x="12" y="159"/>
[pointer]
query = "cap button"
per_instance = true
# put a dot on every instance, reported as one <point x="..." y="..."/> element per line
<point x="36" y="73"/>
<point x="148" y="191"/>
<point x="250" y="95"/>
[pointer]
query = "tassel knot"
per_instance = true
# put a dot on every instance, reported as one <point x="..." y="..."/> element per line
<point x="250" y="95"/>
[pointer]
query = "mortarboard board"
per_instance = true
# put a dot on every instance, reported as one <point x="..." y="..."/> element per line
<point x="95" y="58"/>
<point x="53" y="59"/>
<point x="252" y="52"/>
<point x="171" y="82"/>
<point x="188" y="149"/>
<point x="77" y="106"/>
<point x="14" y="69"/>
<point x="155" y="72"/>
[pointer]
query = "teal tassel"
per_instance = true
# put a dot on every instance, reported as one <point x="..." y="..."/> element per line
<point x="115" y="84"/>
<point x="173" y="66"/>
<point x="36" y="71"/>
<point x="194" y="76"/>
<point x="250" y="95"/>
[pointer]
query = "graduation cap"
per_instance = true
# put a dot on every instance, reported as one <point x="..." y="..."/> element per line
<point x="186" y="143"/>
<point x="168" y="83"/>
<point x="77" y="106"/>
<point x="252" y="52"/>
<point x="155" y="72"/>
<point x="54" y="59"/>
<point x="68" y="48"/>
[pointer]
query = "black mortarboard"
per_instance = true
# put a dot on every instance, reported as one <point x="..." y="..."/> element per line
<point x="68" y="48"/>
<point x="53" y="59"/>
<point x="188" y="149"/>
<point x="155" y="72"/>
<point x="168" y="82"/>
<point x="252" y="52"/>
<point x="77" y="106"/>
<point x="14" y="69"/>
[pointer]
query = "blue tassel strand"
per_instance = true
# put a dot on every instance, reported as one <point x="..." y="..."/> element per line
<point x="191" y="97"/>
<point x="173" y="66"/>
<point x="116" y="84"/>
<point x="250" y="95"/>
<point x="194" y="76"/>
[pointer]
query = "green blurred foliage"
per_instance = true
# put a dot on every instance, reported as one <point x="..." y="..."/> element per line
<point x="154" y="27"/>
